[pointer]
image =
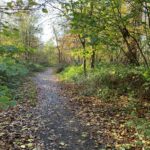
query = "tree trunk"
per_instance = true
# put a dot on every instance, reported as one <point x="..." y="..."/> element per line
<point x="93" y="59"/>
<point x="57" y="45"/>
<point x="82" y="40"/>
<point x="132" y="49"/>
<point x="84" y="60"/>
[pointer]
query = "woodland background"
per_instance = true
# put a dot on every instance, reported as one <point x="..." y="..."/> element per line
<point x="102" y="46"/>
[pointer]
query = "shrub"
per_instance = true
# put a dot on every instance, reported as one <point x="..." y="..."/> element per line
<point x="8" y="50"/>
<point x="33" y="67"/>
<point x="4" y="91"/>
<point x="59" y="68"/>
<point x="107" y="79"/>
<point x="9" y="69"/>
<point x="5" y="98"/>
<point x="106" y="93"/>
<point x="11" y="72"/>
<point x="72" y="73"/>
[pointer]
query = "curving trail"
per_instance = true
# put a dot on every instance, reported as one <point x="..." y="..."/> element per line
<point x="59" y="128"/>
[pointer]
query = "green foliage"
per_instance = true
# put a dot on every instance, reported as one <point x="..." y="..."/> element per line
<point x="106" y="93"/>
<point x="32" y="3"/>
<point x="72" y="73"/>
<point x="19" y="45"/>
<point x="8" y="49"/>
<point x="5" y="96"/>
<point x="111" y="80"/>
<point x="33" y="67"/>
<point x="142" y="127"/>
<point x="10" y="69"/>
<point x="11" y="72"/>
<point x="10" y="4"/>
<point x="4" y="91"/>
<point x="5" y="102"/>
<point x="44" y="10"/>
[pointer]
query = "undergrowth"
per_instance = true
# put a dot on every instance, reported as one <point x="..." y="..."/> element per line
<point x="127" y="87"/>
<point x="108" y="81"/>
<point x="12" y="75"/>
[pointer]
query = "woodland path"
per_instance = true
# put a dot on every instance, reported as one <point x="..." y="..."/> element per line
<point x="59" y="128"/>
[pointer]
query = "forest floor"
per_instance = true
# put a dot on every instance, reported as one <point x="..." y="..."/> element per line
<point x="63" y="119"/>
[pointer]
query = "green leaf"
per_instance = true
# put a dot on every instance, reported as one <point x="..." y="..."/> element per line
<point x="147" y="133"/>
<point x="10" y="4"/>
<point x="44" y="10"/>
<point x="19" y="2"/>
<point x="32" y="3"/>
<point x="4" y="99"/>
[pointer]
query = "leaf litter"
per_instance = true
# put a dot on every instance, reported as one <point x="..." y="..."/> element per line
<point x="62" y="119"/>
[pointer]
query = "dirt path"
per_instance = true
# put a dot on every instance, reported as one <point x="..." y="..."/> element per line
<point x="59" y="128"/>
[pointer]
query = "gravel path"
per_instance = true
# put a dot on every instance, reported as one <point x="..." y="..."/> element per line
<point x="59" y="128"/>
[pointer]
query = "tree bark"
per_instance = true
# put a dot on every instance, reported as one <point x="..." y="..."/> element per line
<point x="93" y="58"/>
<point x="57" y="45"/>
<point x="132" y="50"/>
<point x="82" y="40"/>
